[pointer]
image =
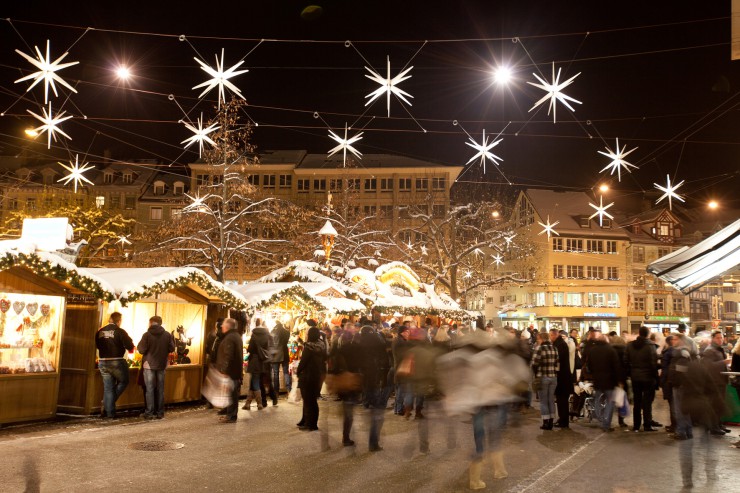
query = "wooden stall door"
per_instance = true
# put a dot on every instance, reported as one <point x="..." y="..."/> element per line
<point x="77" y="362"/>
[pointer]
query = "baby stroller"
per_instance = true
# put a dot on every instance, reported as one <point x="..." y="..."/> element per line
<point x="582" y="403"/>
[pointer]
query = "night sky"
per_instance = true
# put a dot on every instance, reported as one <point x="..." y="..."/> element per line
<point x="658" y="75"/>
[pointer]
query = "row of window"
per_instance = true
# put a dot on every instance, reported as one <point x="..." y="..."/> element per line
<point x="577" y="245"/>
<point x="585" y="272"/>
<point x="561" y="298"/>
<point x="638" y="253"/>
<point x="659" y="304"/>
<point x="303" y="185"/>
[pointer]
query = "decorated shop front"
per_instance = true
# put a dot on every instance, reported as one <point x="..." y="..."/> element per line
<point x="189" y="302"/>
<point x="40" y="297"/>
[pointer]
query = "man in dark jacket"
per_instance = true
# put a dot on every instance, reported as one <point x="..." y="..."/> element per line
<point x="155" y="346"/>
<point x="603" y="365"/>
<point x="230" y="362"/>
<point x="716" y="361"/>
<point x="311" y="372"/>
<point x="372" y="363"/>
<point x="259" y="366"/>
<point x="112" y="343"/>
<point x="564" y="385"/>
<point x="280" y="356"/>
<point x="399" y="348"/>
<point x="641" y="362"/>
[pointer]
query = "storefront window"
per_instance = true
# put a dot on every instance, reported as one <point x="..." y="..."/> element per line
<point x="30" y="330"/>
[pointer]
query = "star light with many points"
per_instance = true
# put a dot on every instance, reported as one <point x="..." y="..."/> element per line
<point x="388" y="86"/>
<point x="484" y="151"/>
<point x="76" y="173"/>
<point x="197" y="204"/>
<point x="618" y="161"/>
<point x="509" y="239"/>
<point x="345" y="144"/>
<point x="47" y="71"/>
<point x="201" y="135"/>
<point x="554" y="92"/>
<point x="123" y="240"/>
<point x="220" y="78"/>
<point x="549" y="228"/>
<point x="498" y="259"/>
<point x="601" y="210"/>
<point x="669" y="191"/>
<point x="423" y="250"/>
<point x="50" y="124"/>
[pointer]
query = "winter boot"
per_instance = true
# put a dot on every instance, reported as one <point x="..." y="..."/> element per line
<point x="497" y="461"/>
<point x="258" y="398"/>
<point x="474" y="475"/>
<point x="544" y="424"/>
<point x="248" y="402"/>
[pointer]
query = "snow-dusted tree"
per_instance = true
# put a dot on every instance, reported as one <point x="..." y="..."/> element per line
<point x="100" y="228"/>
<point x="458" y="248"/>
<point x="227" y="224"/>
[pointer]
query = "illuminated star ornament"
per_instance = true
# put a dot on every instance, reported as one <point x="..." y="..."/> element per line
<point x="618" y="161"/>
<point x="484" y="151"/>
<point x="50" y="124"/>
<point x="388" y="86"/>
<point x="549" y="228"/>
<point x="198" y="203"/>
<point x="47" y="71"/>
<point x="220" y="78"/>
<point x="345" y="145"/>
<point x="509" y="239"/>
<point x="76" y="173"/>
<point x="123" y="240"/>
<point x="554" y="92"/>
<point x="201" y="135"/>
<point x="498" y="259"/>
<point x="423" y="250"/>
<point x="669" y="191"/>
<point x="601" y="210"/>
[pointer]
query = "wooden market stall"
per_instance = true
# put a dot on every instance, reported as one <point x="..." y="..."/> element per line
<point x="41" y="295"/>
<point x="189" y="302"/>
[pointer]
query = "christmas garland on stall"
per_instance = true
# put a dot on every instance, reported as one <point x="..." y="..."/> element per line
<point x="421" y="311"/>
<point x="197" y="278"/>
<point x="297" y="293"/>
<point x="45" y="268"/>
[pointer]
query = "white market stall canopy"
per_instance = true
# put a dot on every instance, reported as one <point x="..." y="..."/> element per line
<point x="131" y="284"/>
<point x="321" y="296"/>
<point x="689" y="268"/>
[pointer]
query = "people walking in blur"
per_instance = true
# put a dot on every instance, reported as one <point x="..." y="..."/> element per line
<point x="564" y="384"/>
<point x="620" y="346"/>
<point x="346" y="367"/>
<point x="716" y="361"/>
<point x="155" y="347"/>
<point x="665" y="383"/>
<point x="604" y="368"/>
<point x="373" y="365"/>
<point x="258" y="365"/>
<point x="641" y="362"/>
<point x="545" y="366"/>
<point x="230" y="361"/>
<point x="400" y="347"/>
<point x="280" y="357"/>
<point x="112" y="342"/>
<point x="311" y="371"/>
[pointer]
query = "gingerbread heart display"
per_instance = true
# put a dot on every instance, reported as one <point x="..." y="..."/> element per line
<point x="18" y="307"/>
<point x="31" y="308"/>
<point x="4" y="305"/>
<point x="45" y="310"/>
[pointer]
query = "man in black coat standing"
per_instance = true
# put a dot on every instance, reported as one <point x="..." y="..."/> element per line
<point x="280" y="357"/>
<point x="230" y="362"/>
<point x="564" y="385"/>
<point x="641" y="362"/>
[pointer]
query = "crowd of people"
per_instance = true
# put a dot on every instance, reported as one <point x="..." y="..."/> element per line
<point x="480" y="376"/>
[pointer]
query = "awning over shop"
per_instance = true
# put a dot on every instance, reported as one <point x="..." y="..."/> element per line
<point x="689" y="268"/>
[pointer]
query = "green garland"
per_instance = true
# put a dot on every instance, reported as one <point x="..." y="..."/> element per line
<point x="44" y="268"/>
<point x="297" y="292"/>
<point x="420" y="311"/>
<point x="197" y="278"/>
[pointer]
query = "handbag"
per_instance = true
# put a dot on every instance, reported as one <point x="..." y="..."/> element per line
<point x="217" y="388"/>
<point x="407" y="367"/>
<point x="344" y="382"/>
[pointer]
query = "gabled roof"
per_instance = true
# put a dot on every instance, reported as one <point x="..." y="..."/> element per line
<point x="568" y="208"/>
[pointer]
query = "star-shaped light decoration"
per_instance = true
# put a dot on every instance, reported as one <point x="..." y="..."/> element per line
<point x="123" y="240"/>
<point x="468" y="274"/>
<point x="509" y="239"/>
<point x="601" y="210"/>
<point x="220" y="78"/>
<point x="197" y="204"/>
<point x="484" y="151"/>
<point x="549" y="228"/>
<point x="410" y="245"/>
<point x="618" y="161"/>
<point x="345" y="145"/>
<point x="554" y="92"/>
<point x="423" y="250"/>
<point x="388" y="86"/>
<point x="669" y="191"/>
<point x="47" y="71"/>
<point x="201" y="135"/>
<point x="50" y="124"/>
<point x="478" y="251"/>
<point x="76" y="172"/>
<point x="498" y="259"/>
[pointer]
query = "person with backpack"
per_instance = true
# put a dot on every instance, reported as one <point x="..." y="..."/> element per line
<point x="155" y="347"/>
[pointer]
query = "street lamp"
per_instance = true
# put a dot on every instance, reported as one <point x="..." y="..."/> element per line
<point x="328" y="234"/>
<point x="604" y="188"/>
<point x="713" y="204"/>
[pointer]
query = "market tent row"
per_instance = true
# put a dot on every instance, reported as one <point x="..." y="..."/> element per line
<point x="690" y="268"/>
<point x="189" y="302"/>
<point x="41" y="294"/>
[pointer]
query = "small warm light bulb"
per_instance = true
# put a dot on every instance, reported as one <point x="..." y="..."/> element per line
<point x="604" y="188"/>
<point x="495" y="214"/>
<point x="123" y="72"/>
<point x="502" y="75"/>
<point x="31" y="133"/>
<point x="713" y="204"/>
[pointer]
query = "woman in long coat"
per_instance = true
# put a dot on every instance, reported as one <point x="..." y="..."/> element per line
<point x="311" y="372"/>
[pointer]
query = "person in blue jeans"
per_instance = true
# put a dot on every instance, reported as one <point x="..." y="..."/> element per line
<point x="112" y="342"/>
<point x="545" y="364"/>
<point x="155" y="347"/>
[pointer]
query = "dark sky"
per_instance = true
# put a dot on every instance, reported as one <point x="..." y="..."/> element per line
<point x="657" y="75"/>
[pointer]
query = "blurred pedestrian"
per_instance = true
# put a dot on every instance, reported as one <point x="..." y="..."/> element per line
<point x="400" y="348"/>
<point x="604" y="368"/>
<point x="230" y="361"/>
<point x="716" y="362"/>
<point x="665" y="384"/>
<point x="258" y="365"/>
<point x="373" y="365"/>
<point x="311" y="372"/>
<point x="280" y="357"/>
<point x="620" y="346"/>
<point x="641" y="362"/>
<point x="564" y="384"/>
